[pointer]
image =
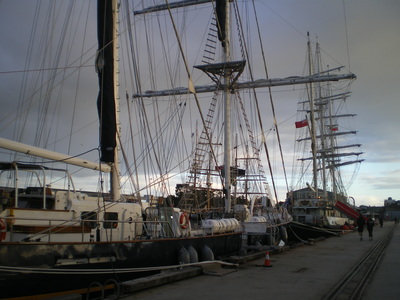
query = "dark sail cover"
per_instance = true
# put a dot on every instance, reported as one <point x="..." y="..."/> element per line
<point x="105" y="69"/>
<point x="220" y="8"/>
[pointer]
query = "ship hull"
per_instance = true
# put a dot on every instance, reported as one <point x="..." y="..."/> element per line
<point x="73" y="267"/>
<point x="299" y="232"/>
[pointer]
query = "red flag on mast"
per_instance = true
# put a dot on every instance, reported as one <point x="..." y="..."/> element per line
<point x="302" y="123"/>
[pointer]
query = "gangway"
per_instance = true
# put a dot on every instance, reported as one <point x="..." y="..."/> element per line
<point x="349" y="211"/>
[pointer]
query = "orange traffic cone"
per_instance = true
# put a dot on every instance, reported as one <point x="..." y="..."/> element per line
<point x="267" y="262"/>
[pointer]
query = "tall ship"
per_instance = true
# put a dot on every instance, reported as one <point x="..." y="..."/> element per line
<point x="167" y="193"/>
<point x="327" y="155"/>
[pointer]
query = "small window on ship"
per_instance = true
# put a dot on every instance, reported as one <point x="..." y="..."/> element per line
<point x="108" y="218"/>
<point x="89" y="219"/>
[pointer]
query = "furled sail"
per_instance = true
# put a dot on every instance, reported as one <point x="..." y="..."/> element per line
<point x="105" y="69"/>
<point x="221" y="17"/>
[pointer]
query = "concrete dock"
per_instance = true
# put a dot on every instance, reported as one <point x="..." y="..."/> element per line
<point x="306" y="272"/>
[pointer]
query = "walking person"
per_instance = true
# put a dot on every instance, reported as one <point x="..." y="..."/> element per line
<point x="370" y="227"/>
<point x="381" y="221"/>
<point x="360" y="225"/>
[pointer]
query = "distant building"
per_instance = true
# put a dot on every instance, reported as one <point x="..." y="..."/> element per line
<point x="389" y="201"/>
<point x="392" y="209"/>
<point x="389" y="211"/>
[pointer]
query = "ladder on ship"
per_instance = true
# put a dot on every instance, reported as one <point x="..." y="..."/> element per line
<point x="198" y="169"/>
<point x="189" y="199"/>
<point x="256" y="151"/>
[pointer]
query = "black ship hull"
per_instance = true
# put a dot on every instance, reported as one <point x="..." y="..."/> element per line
<point x="61" y="268"/>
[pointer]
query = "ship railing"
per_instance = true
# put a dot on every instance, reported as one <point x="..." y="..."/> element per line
<point x="38" y="229"/>
<point x="271" y="224"/>
<point x="40" y="189"/>
<point x="157" y="229"/>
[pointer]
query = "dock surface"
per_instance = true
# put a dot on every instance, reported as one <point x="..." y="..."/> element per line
<point x="306" y="272"/>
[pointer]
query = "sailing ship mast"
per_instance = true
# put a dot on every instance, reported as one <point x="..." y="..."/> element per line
<point x="312" y="119"/>
<point x="323" y="129"/>
<point x="323" y="132"/>
<point x="224" y="69"/>
<point x="223" y="11"/>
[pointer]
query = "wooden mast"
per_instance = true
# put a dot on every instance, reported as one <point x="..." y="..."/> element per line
<point x="115" y="174"/>
<point x="227" y="110"/>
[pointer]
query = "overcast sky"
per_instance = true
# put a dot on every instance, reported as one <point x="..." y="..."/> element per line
<point x="361" y="34"/>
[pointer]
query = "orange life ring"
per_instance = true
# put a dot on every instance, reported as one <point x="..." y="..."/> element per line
<point x="184" y="221"/>
<point x="3" y="230"/>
